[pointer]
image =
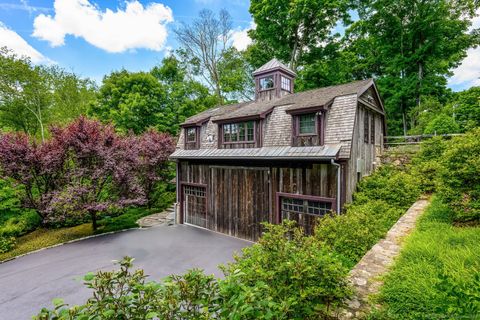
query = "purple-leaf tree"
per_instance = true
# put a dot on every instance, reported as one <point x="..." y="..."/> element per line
<point x="40" y="168"/>
<point x="101" y="171"/>
<point x="154" y="148"/>
<point x="85" y="168"/>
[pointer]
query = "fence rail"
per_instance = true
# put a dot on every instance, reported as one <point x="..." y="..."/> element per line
<point x="414" y="139"/>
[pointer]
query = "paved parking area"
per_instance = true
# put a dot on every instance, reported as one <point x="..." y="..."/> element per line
<point x="29" y="283"/>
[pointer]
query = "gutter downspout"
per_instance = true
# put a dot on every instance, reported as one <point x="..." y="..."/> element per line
<point x="177" y="191"/>
<point x="339" y="182"/>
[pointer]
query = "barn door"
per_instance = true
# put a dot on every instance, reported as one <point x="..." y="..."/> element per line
<point x="195" y="205"/>
<point x="240" y="201"/>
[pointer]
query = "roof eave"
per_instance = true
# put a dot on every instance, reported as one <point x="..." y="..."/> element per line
<point x="257" y="116"/>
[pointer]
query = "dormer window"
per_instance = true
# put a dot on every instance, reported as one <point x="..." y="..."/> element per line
<point x="240" y="132"/>
<point x="308" y="129"/>
<point x="266" y="83"/>
<point x="191" y="138"/>
<point x="191" y="134"/>
<point x="307" y="124"/>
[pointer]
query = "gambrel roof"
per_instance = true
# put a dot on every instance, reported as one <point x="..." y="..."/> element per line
<point x="339" y="101"/>
<point x="320" y="97"/>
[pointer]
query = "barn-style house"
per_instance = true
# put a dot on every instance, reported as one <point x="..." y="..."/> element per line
<point x="284" y="155"/>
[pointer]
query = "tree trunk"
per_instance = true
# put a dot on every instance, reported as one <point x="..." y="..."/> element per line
<point x="93" y="215"/>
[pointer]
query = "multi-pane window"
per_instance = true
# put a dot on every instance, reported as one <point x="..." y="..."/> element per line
<point x="191" y="134"/>
<point x="266" y="83"/>
<point x="306" y="124"/>
<point x="195" y="191"/>
<point x="286" y="82"/>
<point x="305" y="206"/>
<point x="366" y="126"/>
<point x="372" y="129"/>
<point x="239" y="132"/>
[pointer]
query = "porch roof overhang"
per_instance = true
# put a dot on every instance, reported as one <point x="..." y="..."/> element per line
<point x="325" y="152"/>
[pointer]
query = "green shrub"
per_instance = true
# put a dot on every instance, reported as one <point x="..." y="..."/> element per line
<point x="459" y="178"/>
<point x="304" y="279"/>
<point x="397" y="188"/>
<point x="19" y="224"/>
<point x="427" y="163"/>
<point x="442" y="124"/>
<point x="6" y="244"/>
<point x="379" y="202"/>
<point x="352" y="234"/>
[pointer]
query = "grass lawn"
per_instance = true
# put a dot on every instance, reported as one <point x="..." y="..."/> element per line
<point x="437" y="275"/>
<point x="42" y="237"/>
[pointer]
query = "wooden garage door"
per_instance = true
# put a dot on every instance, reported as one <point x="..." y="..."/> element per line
<point x="195" y="205"/>
<point x="240" y="201"/>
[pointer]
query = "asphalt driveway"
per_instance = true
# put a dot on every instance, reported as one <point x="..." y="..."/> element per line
<point x="31" y="282"/>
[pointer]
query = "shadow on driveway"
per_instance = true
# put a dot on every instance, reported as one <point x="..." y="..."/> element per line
<point x="31" y="282"/>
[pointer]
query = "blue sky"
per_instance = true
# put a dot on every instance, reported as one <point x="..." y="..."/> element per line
<point x="94" y="37"/>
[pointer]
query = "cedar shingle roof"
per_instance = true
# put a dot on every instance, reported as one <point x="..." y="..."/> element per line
<point x="306" y="99"/>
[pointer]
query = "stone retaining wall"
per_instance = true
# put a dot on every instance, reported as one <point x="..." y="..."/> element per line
<point x="366" y="275"/>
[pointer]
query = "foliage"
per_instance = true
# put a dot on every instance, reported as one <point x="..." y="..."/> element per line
<point x="380" y="200"/>
<point x="35" y="96"/>
<point x="303" y="280"/>
<point x="293" y="30"/>
<point x="284" y="276"/>
<point x="6" y="244"/>
<point x="416" y="44"/>
<point x="442" y="124"/>
<point x="206" y="48"/>
<point x="131" y="101"/>
<point x="426" y="164"/>
<point x="185" y="96"/>
<point x="84" y="169"/>
<point x="20" y="223"/>
<point x="396" y="187"/>
<point x="154" y="148"/>
<point x="459" y="181"/>
<point x="436" y="275"/>
<point x="352" y="234"/>
<point x="465" y="107"/>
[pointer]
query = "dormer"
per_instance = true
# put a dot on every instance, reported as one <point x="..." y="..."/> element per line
<point x="273" y="80"/>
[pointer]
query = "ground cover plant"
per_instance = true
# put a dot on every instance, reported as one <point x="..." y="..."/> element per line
<point x="437" y="273"/>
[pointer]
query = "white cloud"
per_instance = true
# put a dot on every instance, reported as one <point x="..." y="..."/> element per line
<point x="468" y="73"/>
<point x="14" y="42"/>
<point x="132" y="27"/>
<point x="240" y="38"/>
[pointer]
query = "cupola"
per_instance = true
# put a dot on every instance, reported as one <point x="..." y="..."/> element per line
<point x="273" y="80"/>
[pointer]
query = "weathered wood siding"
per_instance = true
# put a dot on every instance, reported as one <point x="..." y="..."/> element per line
<point x="239" y="197"/>
<point x="368" y="153"/>
<point x="310" y="180"/>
